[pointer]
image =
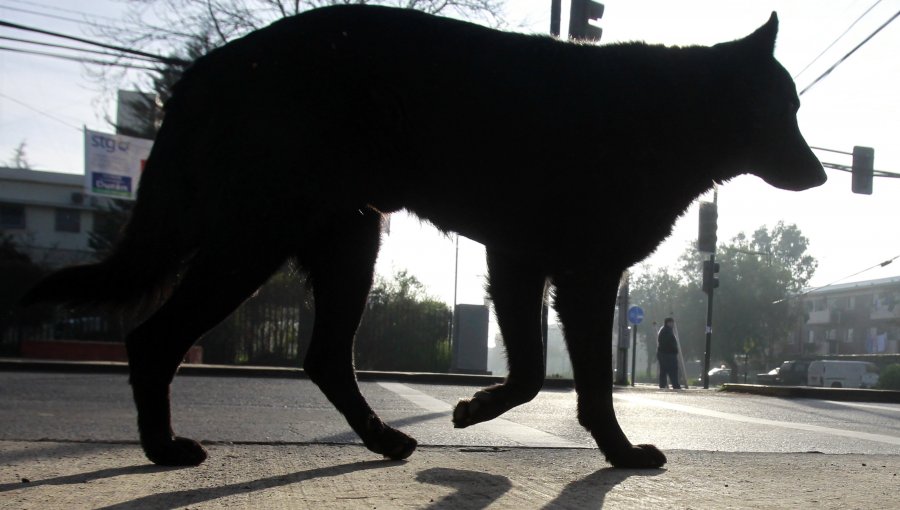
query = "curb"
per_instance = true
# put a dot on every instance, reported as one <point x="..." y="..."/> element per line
<point x="839" y="394"/>
<point x="208" y="370"/>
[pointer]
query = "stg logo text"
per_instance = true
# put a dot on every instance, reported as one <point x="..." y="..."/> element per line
<point x="108" y="144"/>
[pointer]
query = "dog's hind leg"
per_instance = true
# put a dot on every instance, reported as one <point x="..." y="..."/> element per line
<point x="340" y="259"/>
<point x="584" y="301"/>
<point x="216" y="283"/>
<point x="517" y="289"/>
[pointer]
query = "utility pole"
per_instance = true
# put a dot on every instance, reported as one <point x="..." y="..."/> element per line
<point x="555" y="14"/>
<point x="622" y="356"/>
<point x="706" y="243"/>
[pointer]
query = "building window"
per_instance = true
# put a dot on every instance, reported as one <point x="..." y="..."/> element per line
<point x="12" y="216"/>
<point x="68" y="220"/>
<point x="820" y="304"/>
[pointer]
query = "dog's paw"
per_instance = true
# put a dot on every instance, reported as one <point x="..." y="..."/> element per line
<point x="388" y="441"/>
<point x="178" y="451"/>
<point x="481" y="407"/>
<point x="642" y="456"/>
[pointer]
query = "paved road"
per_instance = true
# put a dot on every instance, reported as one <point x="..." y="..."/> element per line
<point x="536" y="456"/>
<point x="98" y="407"/>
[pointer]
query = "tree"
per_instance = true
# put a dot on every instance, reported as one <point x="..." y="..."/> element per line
<point x="154" y="24"/>
<point x="757" y="273"/>
<point x="661" y="293"/>
<point x="271" y="328"/>
<point x="19" y="157"/>
<point x="751" y="314"/>
<point x="403" y="328"/>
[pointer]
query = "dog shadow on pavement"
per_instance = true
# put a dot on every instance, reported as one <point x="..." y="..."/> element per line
<point x="591" y="491"/>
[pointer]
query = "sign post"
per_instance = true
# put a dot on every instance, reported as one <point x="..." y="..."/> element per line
<point x="635" y="317"/>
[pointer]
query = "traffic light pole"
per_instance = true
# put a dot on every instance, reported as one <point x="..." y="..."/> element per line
<point x="709" y="314"/>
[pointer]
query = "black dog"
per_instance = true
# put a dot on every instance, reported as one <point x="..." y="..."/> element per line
<point x="291" y="142"/>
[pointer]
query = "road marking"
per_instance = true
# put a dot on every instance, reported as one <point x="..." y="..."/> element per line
<point x="515" y="432"/>
<point x="880" y="438"/>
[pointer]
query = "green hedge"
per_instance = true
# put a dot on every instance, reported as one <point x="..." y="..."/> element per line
<point x="890" y="377"/>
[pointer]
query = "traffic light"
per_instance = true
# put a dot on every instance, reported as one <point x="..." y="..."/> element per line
<point x="863" y="170"/>
<point x="706" y="239"/>
<point x="580" y="15"/>
<point x="710" y="276"/>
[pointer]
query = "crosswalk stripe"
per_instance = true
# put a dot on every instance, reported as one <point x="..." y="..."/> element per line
<point x="881" y="438"/>
<point x="515" y="432"/>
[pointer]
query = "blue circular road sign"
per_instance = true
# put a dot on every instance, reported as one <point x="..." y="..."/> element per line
<point x="635" y="315"/>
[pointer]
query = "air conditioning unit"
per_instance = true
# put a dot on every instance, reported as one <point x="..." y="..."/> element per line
<point x="77" y="198"/>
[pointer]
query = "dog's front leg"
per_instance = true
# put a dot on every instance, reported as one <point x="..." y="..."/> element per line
<point x="583" y="300"/>
<point x="517" y="289"/>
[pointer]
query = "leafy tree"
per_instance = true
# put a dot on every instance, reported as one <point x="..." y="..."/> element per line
<point x="403" y="328"/>
<point x="757" y="274"/>
<point x="890" y="377"/>
<point x="661" y="293"/>
<point x="751" y="314"/>
<point x="271" y="328"/>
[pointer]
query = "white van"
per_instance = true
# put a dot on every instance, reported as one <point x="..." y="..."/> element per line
<point x="843" y="374"/>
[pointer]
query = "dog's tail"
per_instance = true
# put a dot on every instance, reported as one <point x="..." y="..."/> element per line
<point x="130" y="277"/>
<point x="144" y="262"/>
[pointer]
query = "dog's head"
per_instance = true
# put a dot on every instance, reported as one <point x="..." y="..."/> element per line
<point x="766" y="101"/>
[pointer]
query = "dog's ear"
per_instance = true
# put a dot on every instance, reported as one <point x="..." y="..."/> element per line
<point x="764" y="37"/>
<point x="760" y="42"/>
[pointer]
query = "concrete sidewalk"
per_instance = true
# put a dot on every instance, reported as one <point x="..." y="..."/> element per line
<point x="116" y="476"/>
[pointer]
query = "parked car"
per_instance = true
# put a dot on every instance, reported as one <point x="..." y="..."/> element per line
<point x="790" y="373"/>
<point x="843" y="374"/>
<point x="770" y="377"/>
<point x="793" y="373"/>
<point x="719" y="376"/>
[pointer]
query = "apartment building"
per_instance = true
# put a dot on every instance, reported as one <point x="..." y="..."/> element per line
<point x="48" y="215"/>
<point x="850" y="318"/>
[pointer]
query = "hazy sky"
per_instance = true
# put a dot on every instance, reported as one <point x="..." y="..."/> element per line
<point x="45" y="102"/>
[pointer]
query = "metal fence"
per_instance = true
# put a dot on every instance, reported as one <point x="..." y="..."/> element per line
<point x="273" y="328"/>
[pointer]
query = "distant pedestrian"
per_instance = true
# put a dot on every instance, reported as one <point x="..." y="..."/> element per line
<point x="667" y="354"/>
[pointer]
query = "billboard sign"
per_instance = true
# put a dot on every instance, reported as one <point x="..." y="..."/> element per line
<point x="113" y="164"/>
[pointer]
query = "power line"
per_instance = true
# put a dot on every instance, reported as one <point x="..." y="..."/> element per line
<point x="60" y="9"/>
<point x="74" y="48"/>
<point x="93" y="20"/>
<point x="846" y="168"/>
<point x="837" y="39"/>
<point x="46" y="15"/>
<point x="165" y="60"/>
<point x="814" y="289"/>
<point x="48" y="115"/>
<point x="851" y="52"/>
<point x="82" y="60"/>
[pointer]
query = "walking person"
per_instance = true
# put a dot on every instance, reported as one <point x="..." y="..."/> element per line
<point x="667" y="354"/>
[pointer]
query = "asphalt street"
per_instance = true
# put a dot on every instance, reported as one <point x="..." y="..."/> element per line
<point x="67" y="441"/>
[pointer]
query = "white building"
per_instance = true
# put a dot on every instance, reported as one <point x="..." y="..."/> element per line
<point x="48" y="215"/>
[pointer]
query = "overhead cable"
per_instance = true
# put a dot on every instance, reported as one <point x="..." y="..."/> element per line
<point x="851" y="52"/>
<point x="861" y="16"/>
<point x="160" y="58"/>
